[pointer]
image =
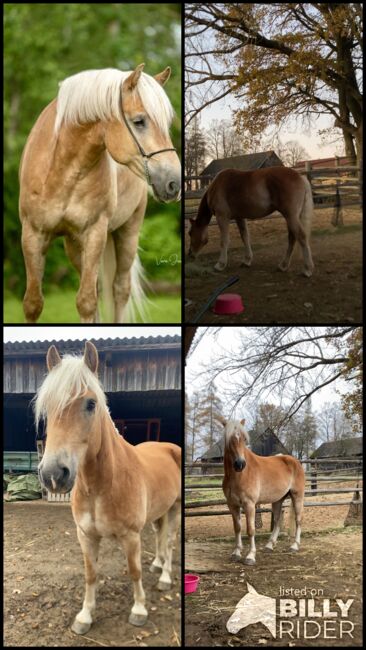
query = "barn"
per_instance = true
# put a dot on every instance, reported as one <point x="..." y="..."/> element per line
<point x="140" y="376"/>
<point x="263" y="444"/>
<point x="347" y="448"/>
<point x="245" y="163"/>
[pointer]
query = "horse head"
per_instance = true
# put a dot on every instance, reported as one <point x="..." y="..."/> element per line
<point x="236" y="440"/>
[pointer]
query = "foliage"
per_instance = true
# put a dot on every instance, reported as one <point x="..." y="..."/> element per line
<point x="353" y="372"/>
<point x="44" y="43"/>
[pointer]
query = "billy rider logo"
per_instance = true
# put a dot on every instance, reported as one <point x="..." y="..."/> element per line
<point x="301" y="617"/>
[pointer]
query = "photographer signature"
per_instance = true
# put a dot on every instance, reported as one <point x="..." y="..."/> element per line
<point x="172" y="260"/>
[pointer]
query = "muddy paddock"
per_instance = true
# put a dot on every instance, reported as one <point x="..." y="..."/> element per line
<point x="44" y="585"/>
<point x="329" y="563"/>
<point x="332" y="294"/>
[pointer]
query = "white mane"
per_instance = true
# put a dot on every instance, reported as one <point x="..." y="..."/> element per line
<point x="69" y="379"/>
<point x="96" y="95"/>
<point x="234" y="426"/>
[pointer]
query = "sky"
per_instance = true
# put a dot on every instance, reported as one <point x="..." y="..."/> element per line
<point x="207" y="349"/>
<point x="49" y="333"/>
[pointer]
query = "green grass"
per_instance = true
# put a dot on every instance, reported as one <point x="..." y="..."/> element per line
<point x="60" y="307"/>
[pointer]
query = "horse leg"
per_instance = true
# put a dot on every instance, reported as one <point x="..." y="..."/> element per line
<point x="126" y="242"/>
<point x="224" y="225"/>
<point x="244" y="234"/>
<point x="235" y="513"/>
<point x="173" y="516"/>
<point x="297" y="503"/>
<point x="93" y="245"/>
<point x="89" y="547"/>
<point x="285" y="263"/>
<point x="131" y="543"/>
<point x="160" y="535"/>
<point x="250" y="515"/>
<point x="276" y="509"/>
<point x="297" y="233"/>
<point x="34" y="245"/>
<point x="73" y="251"/>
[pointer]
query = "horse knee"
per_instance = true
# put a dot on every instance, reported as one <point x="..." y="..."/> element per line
<point x="86" y="303"/>
<point x="32" y="306"/>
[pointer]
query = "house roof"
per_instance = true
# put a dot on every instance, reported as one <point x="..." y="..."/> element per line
<point x="246" y="162"/>
<point x="217" y="449"/>
<point x="344" y="447"/>
<point x="134" y="343"/>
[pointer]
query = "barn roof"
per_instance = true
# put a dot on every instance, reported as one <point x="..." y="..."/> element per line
<point x="344" y="447"/>
<point x="217" y="449"/>
<point x="245" y="162"/>
<point x="134" y="343"/>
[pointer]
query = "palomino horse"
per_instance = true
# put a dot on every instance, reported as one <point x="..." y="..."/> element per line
<point x="238" y="195"/>
<point x="250" y="479"/>
<point x="84" y="174"/>
<point x="117" y="487"/>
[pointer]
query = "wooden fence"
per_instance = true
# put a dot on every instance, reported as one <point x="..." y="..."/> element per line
<point x="315" y="476"/>
<point x="346" y="190"/>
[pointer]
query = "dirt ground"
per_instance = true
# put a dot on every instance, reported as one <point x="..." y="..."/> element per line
<point x="328" y="563"/>
<point x="44" y="585"/>
<point x="332" y="294"/>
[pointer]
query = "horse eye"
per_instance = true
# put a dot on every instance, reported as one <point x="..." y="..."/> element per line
<point x="139" y="122"/>
<point x="90" y="405"/>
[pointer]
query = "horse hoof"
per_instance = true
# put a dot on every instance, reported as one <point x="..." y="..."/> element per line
<point x="155" y="569"/>
<point x="268" y="549"/>
<point x="282" y="267"/>
<point x="164" y="586"/>
<point x="249" y="561"/>
<point x="293" y="549"/>
<point x="219" y="266"/>
<point x="80" y="628"/>
<point x="307" y="274"/>
<point x="247" y="264"/>
<point x="137" y="619"/>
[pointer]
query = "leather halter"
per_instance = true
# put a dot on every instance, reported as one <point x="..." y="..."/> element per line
<point x="143" y="153"/>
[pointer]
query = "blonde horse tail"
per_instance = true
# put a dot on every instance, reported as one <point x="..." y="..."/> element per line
<point x="136" y="308"/>
<point x="306" y="214"/>
<point x="292" y="520"/>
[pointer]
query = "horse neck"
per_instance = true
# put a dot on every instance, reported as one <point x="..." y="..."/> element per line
<point x="80" y="144"/>
<point x="98" y="470"/>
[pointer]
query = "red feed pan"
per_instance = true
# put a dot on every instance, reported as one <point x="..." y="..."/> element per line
<point x="228" y="303"/>
<point x="190" y="583"/>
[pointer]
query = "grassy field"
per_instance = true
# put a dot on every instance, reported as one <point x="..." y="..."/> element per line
<point x="60" y="307"/>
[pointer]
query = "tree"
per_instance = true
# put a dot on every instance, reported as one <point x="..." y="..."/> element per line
<point x="211" y="408"/>
<point x="278" y="59"/>
<point x="290" y="363"/>
<point x="195" y="150"/>
<point x="222" y="140"/>
<point x="353" y="372"/>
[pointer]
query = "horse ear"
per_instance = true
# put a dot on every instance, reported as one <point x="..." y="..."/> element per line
<point x="133" y="78"/>
<point x="222" y="420"/>
<point x="91" y="356"/>
<point x="163" y="77"/>
<point x="53" y="358"/>
<point x="242" y="422"/>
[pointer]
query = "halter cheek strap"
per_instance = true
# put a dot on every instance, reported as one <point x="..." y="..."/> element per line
<point x="143" y="153"/>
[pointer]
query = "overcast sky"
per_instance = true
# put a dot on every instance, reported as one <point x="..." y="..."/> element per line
<point x="210" y="348"/>
<point x="49" y="333"/>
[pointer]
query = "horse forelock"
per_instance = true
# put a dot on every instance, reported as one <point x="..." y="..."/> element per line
<point x="231" y="427"/>
<point x="66" y="382"/>
<point x="96" y="95"/>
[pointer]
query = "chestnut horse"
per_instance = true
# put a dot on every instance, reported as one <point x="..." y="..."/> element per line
<point x="84" y="175"/>
<point x="250" y="479"/>
<point x="238" y="195"/>
<point x="117" y="487"/>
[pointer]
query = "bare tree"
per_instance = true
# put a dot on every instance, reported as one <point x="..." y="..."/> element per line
<point x="291" y="363"/>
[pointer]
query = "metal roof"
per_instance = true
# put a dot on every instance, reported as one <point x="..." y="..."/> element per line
<point x="129" y="344"/>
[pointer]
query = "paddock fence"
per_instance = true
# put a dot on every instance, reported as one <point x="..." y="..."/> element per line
<point x="196" y="483"/>
<point x="332" y="187"/>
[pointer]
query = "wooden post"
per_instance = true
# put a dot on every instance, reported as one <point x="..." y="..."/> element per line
<point x="337" y="218"/>
<point x="354" y="514"/>
<point x="314" y="483"/>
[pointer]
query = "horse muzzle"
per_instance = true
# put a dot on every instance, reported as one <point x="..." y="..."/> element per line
<point x="239" y="464"/>
<point x="56" y="476"/>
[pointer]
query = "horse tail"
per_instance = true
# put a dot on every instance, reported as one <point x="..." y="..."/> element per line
<point x="136" y="307"/>
<point x="306" y="214"/>
<point x="292" y="520"/>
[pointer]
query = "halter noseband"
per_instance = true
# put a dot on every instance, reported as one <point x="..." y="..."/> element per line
<point x="143" y="153"/>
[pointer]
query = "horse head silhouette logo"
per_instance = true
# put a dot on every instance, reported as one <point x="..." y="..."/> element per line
<point x="253" y="608"/>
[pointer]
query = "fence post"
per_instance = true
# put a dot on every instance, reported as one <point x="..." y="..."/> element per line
<point x="354" y="514"/>
<point x="337" y="218"/>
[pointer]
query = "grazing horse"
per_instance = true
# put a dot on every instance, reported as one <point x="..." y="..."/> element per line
<point x="238" y="195"/>
<point x="84" y="175"/>
<point x="250" y="479"/>
<point x="117" y="487"/>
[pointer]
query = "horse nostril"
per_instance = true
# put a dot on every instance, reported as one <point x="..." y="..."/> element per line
<point x="172" y="188"/>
